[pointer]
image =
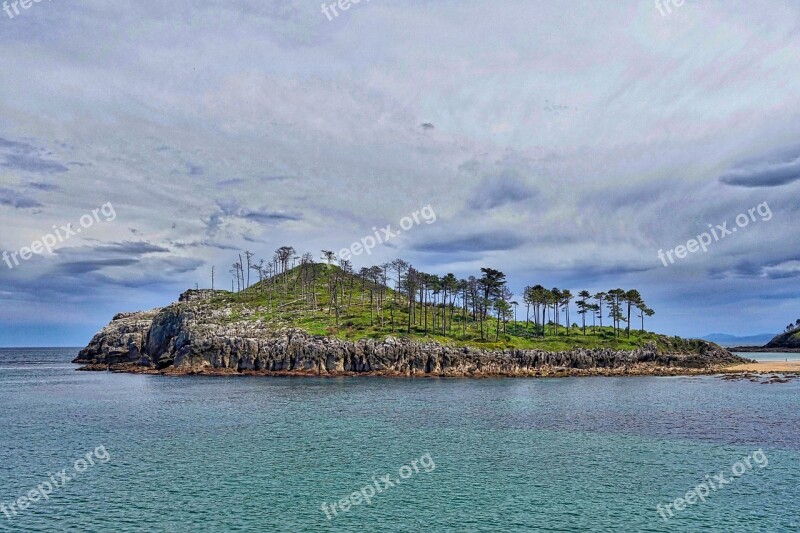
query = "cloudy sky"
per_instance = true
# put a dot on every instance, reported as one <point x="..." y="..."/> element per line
<point x="564" y="143"/>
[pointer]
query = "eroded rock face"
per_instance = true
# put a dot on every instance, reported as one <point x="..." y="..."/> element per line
<point x="124" y="340"/>
<point x="193" y="336"/>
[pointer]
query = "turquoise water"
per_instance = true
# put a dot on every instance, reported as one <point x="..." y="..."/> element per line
<point x="263" y="454"/>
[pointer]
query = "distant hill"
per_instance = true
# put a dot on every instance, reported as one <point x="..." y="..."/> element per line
<point x="788" y="339"/>
<point x="723" y="339"/>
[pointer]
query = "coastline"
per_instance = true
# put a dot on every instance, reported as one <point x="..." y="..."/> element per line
<point x="636" y="370"/>
<point x="763" y="349"/>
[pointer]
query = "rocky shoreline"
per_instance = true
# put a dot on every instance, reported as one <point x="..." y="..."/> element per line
<point x="192" y="337"/>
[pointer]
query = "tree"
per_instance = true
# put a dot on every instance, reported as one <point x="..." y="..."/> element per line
<point x="600" y="297"/>
<point x="328" y="256"/>
<point x="615" y="298"/>
<point x="249" y="256"/>
<point x="555" y="300"/>
<point x="566" y="298"/>
<point x="646" y="312"/>
<point x="631" y="298"/>
<point x="527" y="297"/>
<point x="595" y="309"/>
<point x="400" y="267"/>
<point x="583" y="306"/>
<point x="539" y="301"/>
<point x="449" y="287"/>
<point x="411" y="285"/>
<point x="515" y="304"/>
<point x="501" y="307"/>
<point x="492" y="282"/>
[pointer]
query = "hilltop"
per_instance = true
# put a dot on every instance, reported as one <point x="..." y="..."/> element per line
<point x="320" y="319"/>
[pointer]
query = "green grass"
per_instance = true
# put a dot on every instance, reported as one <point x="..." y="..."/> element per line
<point x="280" y="302"/>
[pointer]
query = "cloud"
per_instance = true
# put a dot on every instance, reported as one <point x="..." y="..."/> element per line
<point x="548" y="159"/>
<point x="477" y="242"/>
<point x="232" y="208"/>
<point x="501" y="190"/>
<point x="91" y="265"/>
<point x="776" y="269"/>
<point x="112" y="249"/>
<point x="27" y="158"/>
<point x="770" y="170"/>
<point x="42" y="186"/>
<point x="17" y="199"/>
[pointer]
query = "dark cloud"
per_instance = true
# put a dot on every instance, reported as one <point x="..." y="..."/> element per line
<point x="770" y="170"/>
<point x="92" y="265"/>
<point x="501" y="190"/>
<point x="233" y="182"/>
<point x="16" y="199"/>
<point x="194" y="170"/>
<point x="204" y="244"/>
<point x="46" y="187"/>
<point x="33" y="163"/>
<point x="776" y="269"/>
<point x="478" y="242"/>
<point x="267" y="217"/>
<point x="16" y="146"/>
<point x="233" y="209"/>
<point x="236" y="182"/>
<point x="131" y="248"/>
<point x="113" y="250"/>
<point x="28" y="158"/>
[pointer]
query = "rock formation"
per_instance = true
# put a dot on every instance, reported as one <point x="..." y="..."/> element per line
<point x="194" y="336"/>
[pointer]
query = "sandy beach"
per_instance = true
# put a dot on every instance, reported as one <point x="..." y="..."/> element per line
<point x="767" y="367"/>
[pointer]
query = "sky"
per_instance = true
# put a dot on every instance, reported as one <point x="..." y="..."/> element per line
<point x="564" y="143"/>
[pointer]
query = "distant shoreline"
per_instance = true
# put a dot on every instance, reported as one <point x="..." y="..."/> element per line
<point x="762" y="349"/>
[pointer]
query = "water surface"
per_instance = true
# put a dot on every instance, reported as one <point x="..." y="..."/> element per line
<point x="263" y="454"/>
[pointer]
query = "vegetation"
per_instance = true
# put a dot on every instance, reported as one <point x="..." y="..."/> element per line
<point x="793" y="327"/>
<point x="397" y="299"/>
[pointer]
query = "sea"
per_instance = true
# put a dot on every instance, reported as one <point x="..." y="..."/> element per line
<point x="98" y="451"/>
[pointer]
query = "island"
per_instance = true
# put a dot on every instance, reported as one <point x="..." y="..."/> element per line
<point x="323" y="319"/>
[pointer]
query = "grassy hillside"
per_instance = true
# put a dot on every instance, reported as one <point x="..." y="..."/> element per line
<point x="789" y="339"/>
<point x="303" y="298"/>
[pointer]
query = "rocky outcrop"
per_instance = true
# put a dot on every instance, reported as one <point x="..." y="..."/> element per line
<point x="193" y="336"/>
<point x="124" y="340"/>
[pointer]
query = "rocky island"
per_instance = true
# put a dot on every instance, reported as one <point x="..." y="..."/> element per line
<point x="319" y="319"/>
